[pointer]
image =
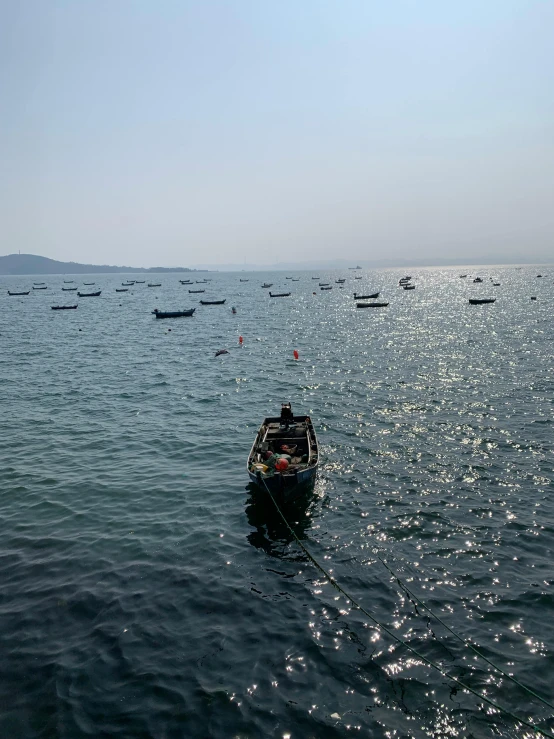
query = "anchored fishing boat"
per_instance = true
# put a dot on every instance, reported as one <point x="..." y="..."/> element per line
<point x="89" y="295"/>
<point x="69" y="289"/>
<point x="285" y="454"/>
<point x="25" y="293"/>
<point x="212" y="302"/>
<point x="279" y="295"/>
<point x="366" y="297"/>
<point x="173" y="313"/>
<point x="64" y="307"/>
<point x="481" y="301"/>
<point x="371" y="305"/>
<point x="197" y="291"/>
<point x="267" y="284"/>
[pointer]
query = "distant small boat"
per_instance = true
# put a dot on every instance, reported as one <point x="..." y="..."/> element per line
<point x="88" y="284"/>
<point x="408" y="287"/>
<point x="25" y="293"/>
<point x="478" y="279"/>
<point x="140" y="282"/>
<point x="154" y="284"/>
<point x="122" y="289"/>
<point x="68" y="281"/>
<point x="69" y="289"/>
<point x="481" y="301"/>
<point x="288" y="278"/>
<point x="533" y="298"/>
<point x="366" y="297"/>
<point x="339" y="282"/>
<point x="40" y="288"/>
<point x="326" y="288"/>
<point x="267" y="284"/>
<point x="89" y="295"/>
<point x="279" y="295"/>
<point x="316" y="278"/>
<point x="463" y="276"/>
<point x="371" y="305"/>
<point x="201" y="282"/>
<point x="358" y="267"/>
<point x="64" y="307"/>
<point x="323" y="284"/>
<point x="496" y="284"/>
<point x="357" y="277"/>
<point x="296" y="279"/>
<point x="173" y="313"/>
<point x="241" y="280"/>
<point x="539" y="275"/>
<point x="197" y="291"/>
<point x="127" y="284"/>
<point x="39" y="283"/>
<point x="212" y="302"/>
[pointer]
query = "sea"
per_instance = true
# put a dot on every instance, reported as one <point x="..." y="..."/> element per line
<point x="150" y="591"/>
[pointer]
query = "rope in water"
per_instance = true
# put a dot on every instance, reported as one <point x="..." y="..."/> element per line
<point x="466" y="642"/>
<point x="384" y="628"/>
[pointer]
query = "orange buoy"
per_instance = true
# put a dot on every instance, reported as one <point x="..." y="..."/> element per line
<point x="295" y="354"/>
<point x="281" y="465"/>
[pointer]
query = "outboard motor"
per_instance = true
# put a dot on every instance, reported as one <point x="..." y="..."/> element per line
<point x="286" y="415"/>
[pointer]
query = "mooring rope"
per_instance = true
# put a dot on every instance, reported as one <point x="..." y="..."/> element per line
<point x="384" y="628"/>
<point x="466" y="642"/>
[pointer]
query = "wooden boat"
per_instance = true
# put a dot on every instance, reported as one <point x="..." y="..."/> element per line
<point x="88" y="284"/>
<point x="323" y="284"/>
<point x="127" y="284"/>
<point x="366" y="297"/>
<point x="296" y="279"/>
<point x="357" y="277"/>
<point x="496" y="284"/>
<point x="24" y="293"/>
<point x="140" y="282"/>
<point x="533" y="297"/>
<point x="69" y="289"/>
<point x="212" y="302"/>
<point x="408" y="287"/>
<point x="478" y="279"/>
<point x="339" y="282"/>
<point x="39" y="283"/>
<point x="68" y="281"/>
<point x="481" y="301"/>
<point x="316" y="278"/>
<point x="173" y="313"/>
<point x="242" y="280"/>
<point x="267" y="284"/>
<point x="64" y="307"/>
<point x="371" y="305"/>
<point x="279" y="295"/>
<point x="154" y="284"/>
<point x="45" y="287"/>
<point x="288" y="278"/>
<point x="89" y="295"/>
<point x="297" y="434"/>
<point x="197" y="291"/>
<point x="326" y="288"/>
<point x="201" y="282"/>
<point x="462" y="276"/>
<point x="122" y="289"/>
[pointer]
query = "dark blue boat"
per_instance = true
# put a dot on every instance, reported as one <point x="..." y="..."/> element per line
<point x="291" y="435"/>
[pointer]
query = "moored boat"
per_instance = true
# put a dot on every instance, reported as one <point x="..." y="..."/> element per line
<point x="122" y="289"/>
<point x="69" y="289"/>
<point x="241" y="280"/>
<point x="408" y="287"/>
<point x="279" y="295"/>
<point x="325" y="288"/>
<point x="154" y="284"/>
<point x="40" y="287"/>
<point x="366" y="297"/>
<point x="173" y="313"/>
<point x="197" y="291"/>
<point x="212" y="302"/>
<point x="89" y="295"/>
<point x="88" y="284"/>
<point x="63" y="307"/>
<point x="478" y="279"/>
<point x="371" y="305"/>
<point x="285" y="456"/>
<point x="140" y="282"/>
<point x="267" y="284"/>
<point x="481" y="301"/>
<point x="22" y="293"/>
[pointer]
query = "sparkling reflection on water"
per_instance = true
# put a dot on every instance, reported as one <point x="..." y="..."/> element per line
<point x="149" y="591"/>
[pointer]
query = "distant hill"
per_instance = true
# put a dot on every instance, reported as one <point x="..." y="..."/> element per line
<point x="31" y="264"/>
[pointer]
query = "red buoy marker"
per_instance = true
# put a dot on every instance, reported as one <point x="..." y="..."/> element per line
<point x="295" y="354"/>
<point x="240" y="340"/>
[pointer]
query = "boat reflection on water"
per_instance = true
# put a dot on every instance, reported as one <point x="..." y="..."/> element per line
<point x="271" y="533"/>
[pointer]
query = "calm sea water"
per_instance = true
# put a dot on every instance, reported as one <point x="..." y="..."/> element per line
<point x="147" y="591"/>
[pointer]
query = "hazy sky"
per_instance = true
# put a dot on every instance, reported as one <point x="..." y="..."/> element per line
<point x="173" y="133"/>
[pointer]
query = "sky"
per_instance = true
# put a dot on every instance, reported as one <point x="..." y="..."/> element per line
<point x="168" y="132"/>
